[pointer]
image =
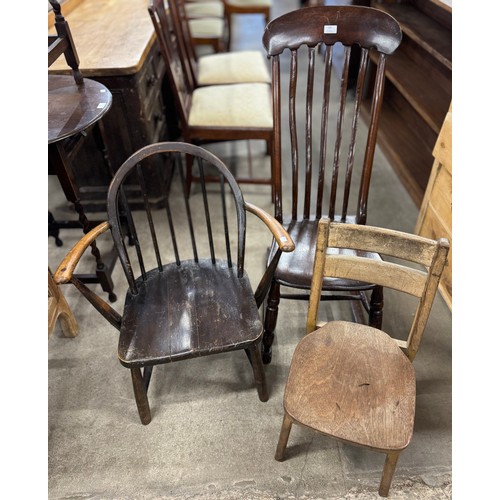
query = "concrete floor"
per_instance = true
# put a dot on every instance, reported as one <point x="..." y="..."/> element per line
<point x="210" y="436"/>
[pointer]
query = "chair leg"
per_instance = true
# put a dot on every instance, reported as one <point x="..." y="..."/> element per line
<point x="286" y="426"/>
<point x="376" y="307"/>
<point x="389" y="467"/>
<point x="259" y="374"/>
<point x="270" y="320"/>
<point x="141" y="397"/>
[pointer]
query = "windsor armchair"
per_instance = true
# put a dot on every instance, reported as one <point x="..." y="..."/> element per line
<point x="315" y="169"/>
<point x="189" y="294"/>
<point x="351" y="381"/>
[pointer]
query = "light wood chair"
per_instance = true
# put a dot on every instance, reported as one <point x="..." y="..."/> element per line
<point x="354" y="382"/>
<point x="189" y="294"/>
<point x="214" y="113"/>
<point x="248" y="66"/>
<point x="324" y="167"/>
<point x="59" y="309"/>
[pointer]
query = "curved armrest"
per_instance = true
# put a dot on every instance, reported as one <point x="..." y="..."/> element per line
<point x="285" y="242"/>
<point x="65" y="270"/>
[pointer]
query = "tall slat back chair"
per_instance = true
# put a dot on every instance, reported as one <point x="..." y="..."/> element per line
<point x="327" y="177"/>
<point x="214" y="113"/>
<point x="351" y="381"/>
<point x="189" y="294"/>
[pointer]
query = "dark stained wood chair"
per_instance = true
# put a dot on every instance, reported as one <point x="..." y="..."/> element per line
<point x="327" y="177"/>
<point x="189" y="294"/>
<point x="351" y="381"/>
<point x="62" y="43"/>
<point x="213" y="113"/>
<point x="246" y="66"/>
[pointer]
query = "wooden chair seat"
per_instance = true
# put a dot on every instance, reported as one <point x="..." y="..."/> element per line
<point x="296" y="269"/>
<point x="246" y="106"/>
<point x="172" y="316"/>
<point x="246" y="66"/>
<point x="353" y="382"/>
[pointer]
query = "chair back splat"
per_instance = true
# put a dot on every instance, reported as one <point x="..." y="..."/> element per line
<point x="328" y="65"/>
<point x="189" y="294"/>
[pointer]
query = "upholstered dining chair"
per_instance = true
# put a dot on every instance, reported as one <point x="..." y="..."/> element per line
<point x="245" y="66"/>
<point x="350" y="381"/>
<point x="214" y="113"/>
<point x="189" y="294"/>
<point x="329" y="160"/>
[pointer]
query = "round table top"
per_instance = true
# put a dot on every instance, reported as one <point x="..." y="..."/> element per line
<point x="72" y="107"/>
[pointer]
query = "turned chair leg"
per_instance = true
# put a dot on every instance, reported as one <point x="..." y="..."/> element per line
<point x="376" y="307"/>
<point x="254" y="356"/>
<point x="270" y="320"/>
<point x="286" y="426"/>
<point x="389" y="467"/>
<point x="141" y="397"/>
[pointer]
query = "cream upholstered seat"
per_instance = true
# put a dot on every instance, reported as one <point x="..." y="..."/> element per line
<point x="246" y="66"/>
<point x="204" y="9"/>
<point x="248" y="3"/>
<point x="246" y="105"/>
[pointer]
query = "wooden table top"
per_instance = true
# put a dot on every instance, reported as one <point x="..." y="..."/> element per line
<point x="112" y="37"/>
<point x="73" y="108"/>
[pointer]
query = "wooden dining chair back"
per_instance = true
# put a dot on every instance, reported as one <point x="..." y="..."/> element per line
<point x="213" y="113"/>
<point x="203" y="30"/>
<point x="324" y="167"/>
<point x="189" y="294"/>
<point x="62" y="43"/>
<point x="351" y="381"/>
<point x="245" y="66"/>
<point x="248" y="7"/>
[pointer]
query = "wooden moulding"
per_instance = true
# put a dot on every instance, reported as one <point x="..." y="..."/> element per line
<point x="435" y="216"/>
